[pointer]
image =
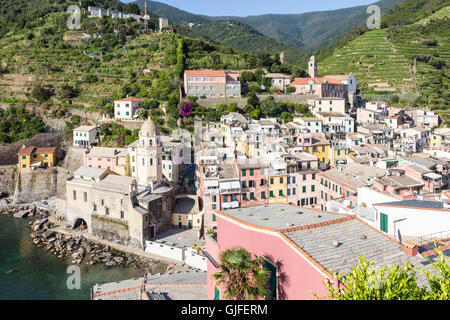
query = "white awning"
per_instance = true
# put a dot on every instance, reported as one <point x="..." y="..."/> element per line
<point x="211" y="183"/>
<point x="235" y="185"/>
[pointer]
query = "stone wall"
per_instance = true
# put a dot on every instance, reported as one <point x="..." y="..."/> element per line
<point x="109" y="230"/>
<point x="35" y="185"/>
<point x="241" y="102"/>
<point x="8" y="175"/>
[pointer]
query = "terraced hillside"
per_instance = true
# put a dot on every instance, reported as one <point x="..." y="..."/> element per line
<point x="411" y="60"/>
<point x="375" y="62"/>
<point x="53" y="71"/>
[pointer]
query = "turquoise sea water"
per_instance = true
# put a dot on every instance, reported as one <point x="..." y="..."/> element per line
<point x="41" y="275"/>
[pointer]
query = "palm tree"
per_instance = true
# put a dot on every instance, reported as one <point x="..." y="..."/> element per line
<point x="243" y="277"/>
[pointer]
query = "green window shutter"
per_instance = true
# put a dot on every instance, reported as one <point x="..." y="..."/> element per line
<point x="263" y="195"/>
<point x="252" y="173"/>
<point x="216" y="291"/>
<point x="244" y="172"/>
<point x="272" y="290"/>
<point x="271" y="194"/>
<point x="304" y="189"/>
<point x="384" y="222"/>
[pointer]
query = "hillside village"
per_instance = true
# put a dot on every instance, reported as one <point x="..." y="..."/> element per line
<point x="302" y="170"/>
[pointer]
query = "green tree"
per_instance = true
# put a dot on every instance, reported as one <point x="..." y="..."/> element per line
<point x="232" y="107"/>
<point x="439" y="281"/>
<point x="367" y="282"/>
<point x="244" y="278"/>
<point x="41" y="93"/>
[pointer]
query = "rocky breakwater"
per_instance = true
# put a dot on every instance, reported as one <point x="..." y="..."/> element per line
<point x="7" y="206"/>
<point x="84" y="251"/>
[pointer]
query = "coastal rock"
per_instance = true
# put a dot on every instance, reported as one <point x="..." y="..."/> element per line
<point x="119" y="260"/>
<point x="49" y="234"/>
<point x="21" y="214"/>
<point x="110" y="263"/>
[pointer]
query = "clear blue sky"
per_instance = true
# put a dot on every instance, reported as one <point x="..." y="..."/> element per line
<point x="244" y="8"/>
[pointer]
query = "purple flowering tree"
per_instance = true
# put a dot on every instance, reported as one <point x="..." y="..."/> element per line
<point x="186" y="108"/>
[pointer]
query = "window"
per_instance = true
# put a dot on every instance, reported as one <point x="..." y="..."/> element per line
<point x="304" y="189"/>
<point x="252" y="196"/>
<point x="384" y="222"/>
<point x="262" y="182"/>
<point x="244" y="172"/>
<point x="24" y="166"/>
<point x="24" y="157"/>
<point x="271" y="194"/>
<point x="281" y="180"/>
<point x="214" y="207"/>
<point x="252" y="173"/>
<point x="244" y="184"/>
<point x="214" y="199"/>
<point x="304" y="177"/>
<point x="314" y="176"/>
<point x="280" y="193"/>
<point x="313" y="188"/>
<point x="271" y="180"/>
<point x="244" y="197"/>
<point x="74" y="195"/>
<point x="85" y="197"/>
<point x="263" y="195"/>
<point x="225" y="199"/>
<point x="122" y="214"/>
<point x="251" y="183"/>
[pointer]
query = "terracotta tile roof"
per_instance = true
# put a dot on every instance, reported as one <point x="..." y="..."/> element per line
<point x="219" y="73"/>
<point x="32" y="149"/>
<point x="131" y="99"/>
<point x="300" y="81"/>
<point x="27" y="150"/>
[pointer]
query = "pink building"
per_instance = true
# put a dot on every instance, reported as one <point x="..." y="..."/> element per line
<point x="302" y="179"/>
<point x="402" y="186"/>
<point x="254" y="175"/>
<point x="114" y="159"/>
<point x="212" y="84"/>
<point x="321" y="87"/>
<point x="367" y="115"/>
<point x="300" y="247"/>
<point x="344" y="181"/>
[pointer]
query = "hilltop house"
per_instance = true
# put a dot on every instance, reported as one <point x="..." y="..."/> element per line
<point x="212" y="84"/>
<point x="85" y="136"/>
<point x="125" y="109"/>
<point x="322" y="87"/>
<point x="279" y="81"/>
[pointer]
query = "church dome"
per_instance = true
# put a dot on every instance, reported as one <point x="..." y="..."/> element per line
<point x="149" y="129"/>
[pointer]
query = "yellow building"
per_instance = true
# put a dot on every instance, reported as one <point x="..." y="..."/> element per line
<point x="437" y="140"/>
<point x="31" y="158"/>
<point x="186" y="214"/>
<point x="338" y="155"/>
<point x="320" y="148"/>
<point x="278" y="189"/>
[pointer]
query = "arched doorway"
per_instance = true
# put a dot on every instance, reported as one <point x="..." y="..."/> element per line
<point x="80" y="224"/>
